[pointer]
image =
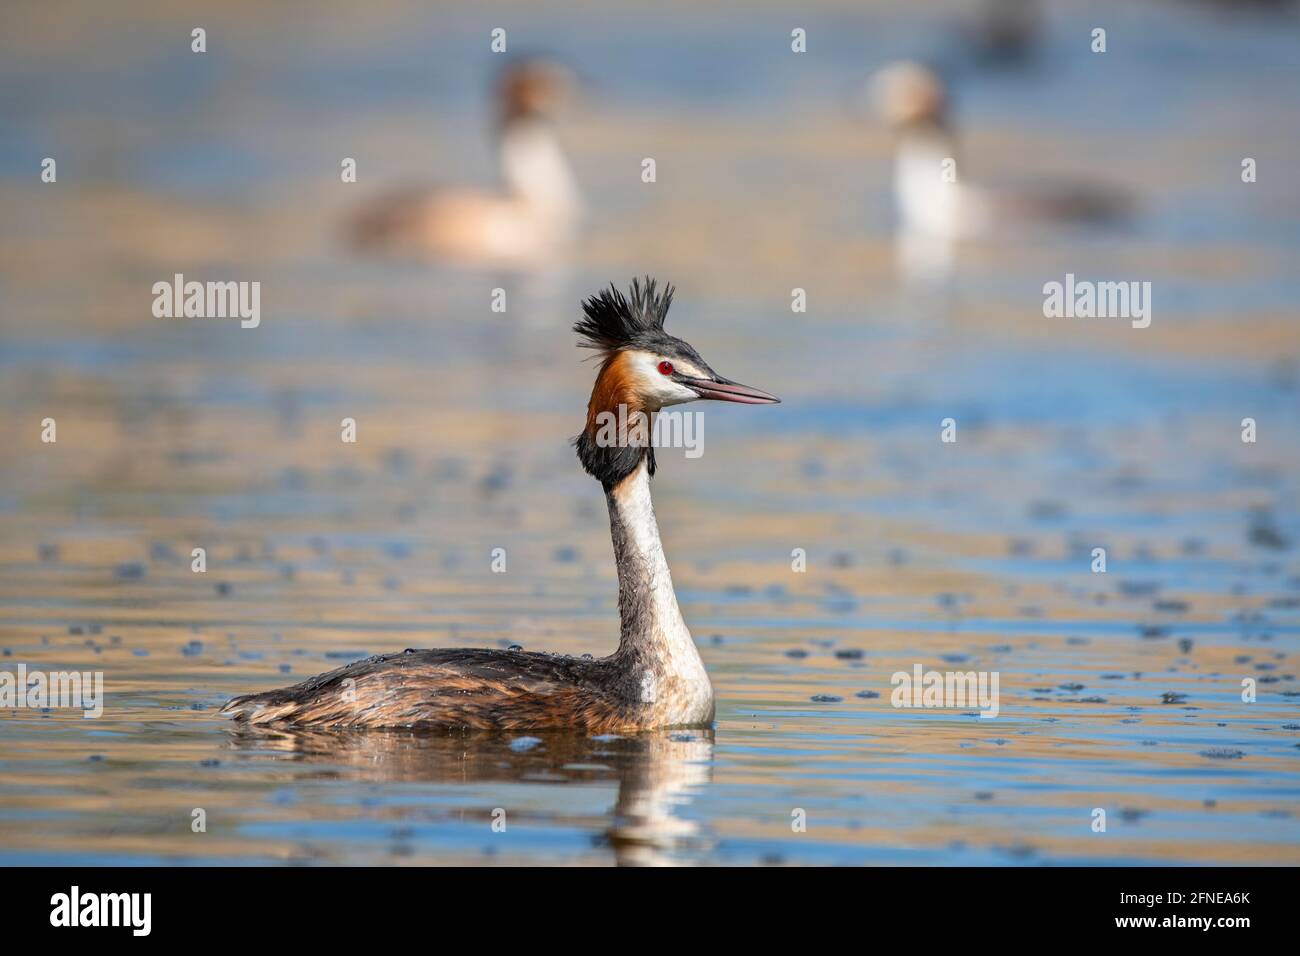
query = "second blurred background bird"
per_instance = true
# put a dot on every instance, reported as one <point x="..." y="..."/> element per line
<point x="936" y="205"/>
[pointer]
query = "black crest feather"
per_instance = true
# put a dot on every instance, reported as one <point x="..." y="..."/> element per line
<point x="612" y="321"/>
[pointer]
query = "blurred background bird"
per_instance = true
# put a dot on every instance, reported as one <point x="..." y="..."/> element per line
<point x="937" y="205"/>
<point x="528" y="220"/>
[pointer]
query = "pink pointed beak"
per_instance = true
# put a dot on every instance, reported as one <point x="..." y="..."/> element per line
<point x="721" y="390"/>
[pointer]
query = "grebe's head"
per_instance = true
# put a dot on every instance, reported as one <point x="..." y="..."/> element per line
<point x="532" y="89"/>
<point x="907" y="94"/>
<point x="643" y="369"/>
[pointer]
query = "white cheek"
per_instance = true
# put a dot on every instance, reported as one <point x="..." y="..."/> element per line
<point x="658" y="387"/>
<point x="673" y="393"/>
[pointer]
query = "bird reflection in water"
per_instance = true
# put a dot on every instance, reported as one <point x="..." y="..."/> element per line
<point x="657" y="774"/>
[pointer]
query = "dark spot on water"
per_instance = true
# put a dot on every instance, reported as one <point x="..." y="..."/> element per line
<point x="129" y="571"/>
<point x="223" y="588"/>
<point x="1153" y="631"/>
<point x="192" y="649"/>
<point x="954" y="658"/>
<point x="849" y="654"/>
<point x="1018" y="850"/>
<point x="1132" y="814"/>
<point x="1223" y="753"/>
<point x="1136" y="589"/>
<point x="161" y="551"/>
<point x="1263" y="532"/>
<point x="798" y="653"/>
<point x="825" y="699"/>
<point x="497" y="480"/>
<point x="1170" y="606"/>
<point x="867" y="694"/>
<point x="1072" y="687"/>
<point x="1046" y="510"/>
<point x="565" y="555"/>
<point x="398" y="550"/>
<point x="210" y="762"/>
<point x="285" y="668"/>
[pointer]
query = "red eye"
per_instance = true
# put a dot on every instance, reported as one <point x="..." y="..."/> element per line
<point x="666" y="368"/>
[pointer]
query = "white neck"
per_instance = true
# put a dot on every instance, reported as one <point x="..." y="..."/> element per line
<point x="927" y="204"/>
<point x="535" y="171"/>
<point x="655" y="644"/>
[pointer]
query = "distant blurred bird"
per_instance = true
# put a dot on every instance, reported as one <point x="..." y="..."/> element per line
<point x="1006" y="33"/>
<point x="530" y="219"/>
<point x="938" y="207"/>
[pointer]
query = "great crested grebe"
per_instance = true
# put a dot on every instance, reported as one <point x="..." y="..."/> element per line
<point x="935" y="210"/>
<point x="530" y="220"/>
<point x="655" y="678"/>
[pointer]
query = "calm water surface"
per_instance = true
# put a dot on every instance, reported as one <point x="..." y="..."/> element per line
<point x="1120" y="691"/>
